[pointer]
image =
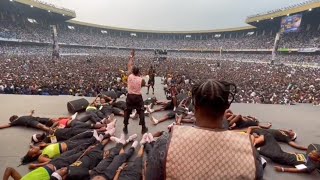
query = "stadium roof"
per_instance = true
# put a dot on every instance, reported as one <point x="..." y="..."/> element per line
<point x="255" y="21"/>
<point x="305" y="6"/>
<point x="48" y="7"/>
<point x="161" y="32"/>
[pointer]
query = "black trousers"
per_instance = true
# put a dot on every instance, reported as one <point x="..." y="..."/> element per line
<point x="67" y="158"/>
<point x="84" y="139"/>
<point x="113" y="152"/>
<point x="133" y="171"/>
<point x="134" y="102"/>
<point x="110" y="171"/>
<point x="92" y="116"/>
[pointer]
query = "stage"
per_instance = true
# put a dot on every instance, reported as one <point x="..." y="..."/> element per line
<point x="302" y="118"/>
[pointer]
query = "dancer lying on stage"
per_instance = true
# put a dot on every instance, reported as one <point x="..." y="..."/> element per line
<point x="241" y="122"/>
<point x="285" y="136"/>
<point x="82" y="168"/>
<point x="67" y="133"/>
<point x="304" y="163"/>
<point x="312" y="163"/>
<point x="182" y="112"/>
<point x="29" y="121"/>
<point x="44" y="153"/>
<point x="44" y="173"/>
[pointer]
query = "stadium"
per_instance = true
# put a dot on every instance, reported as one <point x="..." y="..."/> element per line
<point x="58" y="66"/>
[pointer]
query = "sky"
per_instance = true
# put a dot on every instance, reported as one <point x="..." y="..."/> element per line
<point x="170" y="15"/>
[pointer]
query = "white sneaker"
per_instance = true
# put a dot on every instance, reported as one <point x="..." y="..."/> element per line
<point x="111" y="125"/>
<point x="117" y="140"/>
<point x="149" y="109"/>
<point x="150" y="137"/>
<point x="144" y="139"/>
<point x="111" y="131"/>
<point x="74" y="116"/>
<point x="123" y="138"/>
<point x="131" y="138"/>
<point x="135" y="144"/>
<point x="154" y="120"/>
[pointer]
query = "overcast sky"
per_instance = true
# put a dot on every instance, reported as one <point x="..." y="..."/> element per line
<point x="170" y="14"/>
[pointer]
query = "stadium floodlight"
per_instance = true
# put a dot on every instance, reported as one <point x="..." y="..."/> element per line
<point x="310" y="9"/>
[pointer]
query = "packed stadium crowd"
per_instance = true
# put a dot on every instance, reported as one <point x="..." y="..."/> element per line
<point x="89" y="75"/>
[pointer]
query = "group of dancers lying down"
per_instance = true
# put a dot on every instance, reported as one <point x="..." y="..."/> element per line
<point x="71" y="148"/>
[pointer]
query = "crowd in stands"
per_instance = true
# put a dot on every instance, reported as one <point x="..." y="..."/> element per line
<point x="41" y="32"/>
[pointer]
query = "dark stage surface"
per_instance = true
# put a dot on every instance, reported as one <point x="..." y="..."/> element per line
<point x="304" y="119"/>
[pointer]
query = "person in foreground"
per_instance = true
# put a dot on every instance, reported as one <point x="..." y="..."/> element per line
<point x="214" y="150"/>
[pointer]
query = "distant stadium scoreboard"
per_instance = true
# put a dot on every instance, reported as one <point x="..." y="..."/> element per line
<point x="291" y="23"/>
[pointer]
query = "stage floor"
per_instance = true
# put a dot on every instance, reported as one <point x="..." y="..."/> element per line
<point x="304" y="119"/>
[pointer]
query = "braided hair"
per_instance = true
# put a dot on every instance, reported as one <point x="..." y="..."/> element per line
<point x="214" y="96"/>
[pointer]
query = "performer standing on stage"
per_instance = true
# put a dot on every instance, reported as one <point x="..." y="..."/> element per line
<point x="134" y="98"/>
<point x="152" y="74"/>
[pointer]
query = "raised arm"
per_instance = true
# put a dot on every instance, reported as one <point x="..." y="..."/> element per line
<point x="131" y="62"/>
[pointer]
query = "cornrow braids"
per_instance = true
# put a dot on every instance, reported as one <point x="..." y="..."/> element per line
<point x="214" y="96"/>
